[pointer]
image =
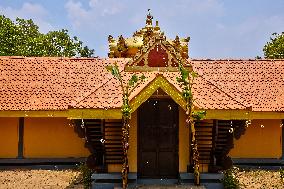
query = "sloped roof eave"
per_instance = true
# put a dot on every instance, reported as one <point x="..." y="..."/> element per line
<point x="115" y="113"/>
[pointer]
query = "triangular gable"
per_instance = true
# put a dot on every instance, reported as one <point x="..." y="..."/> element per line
<point x="157" y="54"/>
<point x="159" y="82"/>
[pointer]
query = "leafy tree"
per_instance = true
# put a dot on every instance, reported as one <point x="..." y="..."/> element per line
<point x="22" y="38"/>
<point x="274" y="49"/>
<point x="186" y="81"/>
<point x="127" y="88"/>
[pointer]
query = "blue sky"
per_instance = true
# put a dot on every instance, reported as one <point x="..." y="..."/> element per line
<point x="218" y="28"/>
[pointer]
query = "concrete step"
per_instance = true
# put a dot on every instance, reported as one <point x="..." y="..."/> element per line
<point x="113" y="181"/>
<point x="203" y="176"/>
<point x="208" y="180"/>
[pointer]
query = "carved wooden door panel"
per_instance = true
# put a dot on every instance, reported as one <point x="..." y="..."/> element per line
<point x="158" y="139"/>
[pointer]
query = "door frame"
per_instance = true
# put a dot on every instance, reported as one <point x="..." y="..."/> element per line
<point x="139" y="136"/>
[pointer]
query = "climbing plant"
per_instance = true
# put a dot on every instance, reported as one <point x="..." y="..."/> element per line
<point x="186" y="81"/>
<point x="127" y="88"/>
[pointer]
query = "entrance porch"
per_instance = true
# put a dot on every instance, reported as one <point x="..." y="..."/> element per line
<point x="159" y="145"/>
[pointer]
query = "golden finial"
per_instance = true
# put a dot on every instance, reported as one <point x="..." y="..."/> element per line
<point x="110" y="38"/>
<point x="157" y="27"/>
<point x="149" y="18"/>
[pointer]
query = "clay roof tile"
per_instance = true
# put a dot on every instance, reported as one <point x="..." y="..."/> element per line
<point x="41" y="83"/>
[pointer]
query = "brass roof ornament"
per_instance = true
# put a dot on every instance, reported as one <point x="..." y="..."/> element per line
<point x="149" y="19"/>
<point x="148" y="38"/>
<point x="121" y="46"/>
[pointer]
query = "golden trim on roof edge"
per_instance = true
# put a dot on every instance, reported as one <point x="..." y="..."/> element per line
<point x="116" y="114"/>
<point x="147" y="92"/>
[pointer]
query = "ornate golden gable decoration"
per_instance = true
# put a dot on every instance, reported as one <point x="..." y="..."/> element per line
<point x="157" y="54"/>
<point x="149" y="49"/>
<point x="160" y="82"/>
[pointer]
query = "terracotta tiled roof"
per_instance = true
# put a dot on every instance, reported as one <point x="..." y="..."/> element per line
<point x="57" y="83"/>
<point x="258" y="84"/>
<point x="109" y="95"/>
<point x="49" y="83"/>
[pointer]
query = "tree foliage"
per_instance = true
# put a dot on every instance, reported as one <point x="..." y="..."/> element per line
<point x="22" y="38"/>
<point x="186" y="81"/>
<point x="274" y="48"/>
<point x="127" y="88"/>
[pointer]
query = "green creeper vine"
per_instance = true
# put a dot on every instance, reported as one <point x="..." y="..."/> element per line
<point x="127" y="89"/>
<point x="186" y="81"/>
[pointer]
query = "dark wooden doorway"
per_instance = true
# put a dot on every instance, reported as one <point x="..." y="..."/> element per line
<point x="158" y="139"/>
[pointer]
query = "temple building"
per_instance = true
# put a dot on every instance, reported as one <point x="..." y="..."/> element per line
<point x="57" y="109"/>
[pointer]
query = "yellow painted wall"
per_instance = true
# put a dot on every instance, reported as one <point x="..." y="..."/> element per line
<point x="9" y="137"/>
<point x="52" y="138"/>
<point x="259" y="142"/>
<point x="183" y="142"/>
<point x="133" y="142"/>
<point x="114" y="168"/>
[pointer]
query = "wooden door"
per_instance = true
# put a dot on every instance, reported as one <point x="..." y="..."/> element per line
<point x="158" y="139"/>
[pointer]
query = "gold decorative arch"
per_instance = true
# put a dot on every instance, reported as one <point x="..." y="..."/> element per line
<point x="159" y="82"/>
